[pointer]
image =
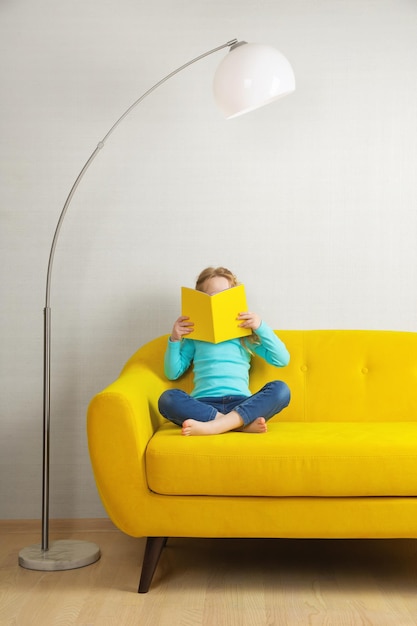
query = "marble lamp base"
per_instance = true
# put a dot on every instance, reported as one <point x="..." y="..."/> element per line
<point x="61" y="555"/>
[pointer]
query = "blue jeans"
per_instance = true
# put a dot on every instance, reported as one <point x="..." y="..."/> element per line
<point x="177" y="406"/>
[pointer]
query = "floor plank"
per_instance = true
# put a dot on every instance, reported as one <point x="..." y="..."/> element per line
<point x="204" y="582"/>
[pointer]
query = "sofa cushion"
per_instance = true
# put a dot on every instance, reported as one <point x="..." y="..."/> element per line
<point x="292" y="459"/>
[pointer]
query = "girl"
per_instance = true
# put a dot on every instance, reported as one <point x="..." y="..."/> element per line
<point x="221" y="400"/>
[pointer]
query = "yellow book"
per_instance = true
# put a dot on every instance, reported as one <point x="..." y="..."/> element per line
<point x="215" y="317"/>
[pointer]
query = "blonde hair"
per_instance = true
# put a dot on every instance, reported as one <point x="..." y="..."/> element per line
<point x="214" y="272"/>
<point x="223" y="272"/>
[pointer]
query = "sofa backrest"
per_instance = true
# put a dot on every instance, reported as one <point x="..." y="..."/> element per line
<point x="334" y="375"/>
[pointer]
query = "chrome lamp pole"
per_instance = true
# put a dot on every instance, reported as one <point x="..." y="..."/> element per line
<point x="250" y="76"/>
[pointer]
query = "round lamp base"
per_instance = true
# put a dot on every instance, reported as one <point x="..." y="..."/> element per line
<point x="62" y="555"/>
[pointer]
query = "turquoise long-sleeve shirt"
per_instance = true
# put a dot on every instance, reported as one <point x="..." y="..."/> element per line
<point x="222" y="369"/>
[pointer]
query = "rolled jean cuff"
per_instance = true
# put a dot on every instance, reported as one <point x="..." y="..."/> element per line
<point x="247" y="419"/>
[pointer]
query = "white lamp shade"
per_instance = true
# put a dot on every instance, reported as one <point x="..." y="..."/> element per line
<point x="250" y="76"/>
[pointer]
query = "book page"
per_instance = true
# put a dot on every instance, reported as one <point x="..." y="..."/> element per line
<point x="197" y="306"/>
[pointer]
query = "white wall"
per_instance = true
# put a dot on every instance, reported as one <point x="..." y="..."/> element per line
<point x="311" y="201"/>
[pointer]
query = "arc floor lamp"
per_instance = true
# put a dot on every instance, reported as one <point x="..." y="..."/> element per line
<point x="250" y="76"/>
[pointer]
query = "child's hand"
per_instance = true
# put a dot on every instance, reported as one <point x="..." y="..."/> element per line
<point x="181" y="327"/>
<point x="249" y="320"/>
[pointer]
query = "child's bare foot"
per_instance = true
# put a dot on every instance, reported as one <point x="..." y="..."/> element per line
<point x="193" y="427"/>
<point x="257" y="426"/>
<point x="221" y="424"/>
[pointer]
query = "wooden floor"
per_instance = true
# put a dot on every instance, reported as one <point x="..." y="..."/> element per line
<point x="211" y="582"/>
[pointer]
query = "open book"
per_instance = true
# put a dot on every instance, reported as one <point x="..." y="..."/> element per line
<point x="215" y="317"/>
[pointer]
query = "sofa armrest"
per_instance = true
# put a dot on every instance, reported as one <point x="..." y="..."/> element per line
<point x="120" y="422"/>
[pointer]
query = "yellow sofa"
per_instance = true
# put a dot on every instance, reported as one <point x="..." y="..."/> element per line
<point x="339" y="462"/>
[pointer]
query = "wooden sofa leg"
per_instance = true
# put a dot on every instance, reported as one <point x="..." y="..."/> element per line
<point x="154" y="547"/>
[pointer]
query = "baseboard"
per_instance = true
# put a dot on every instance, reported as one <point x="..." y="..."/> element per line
<point x="100" y="524"/>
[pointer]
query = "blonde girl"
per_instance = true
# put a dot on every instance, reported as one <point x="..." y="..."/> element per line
<point x="221" y="400"/>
